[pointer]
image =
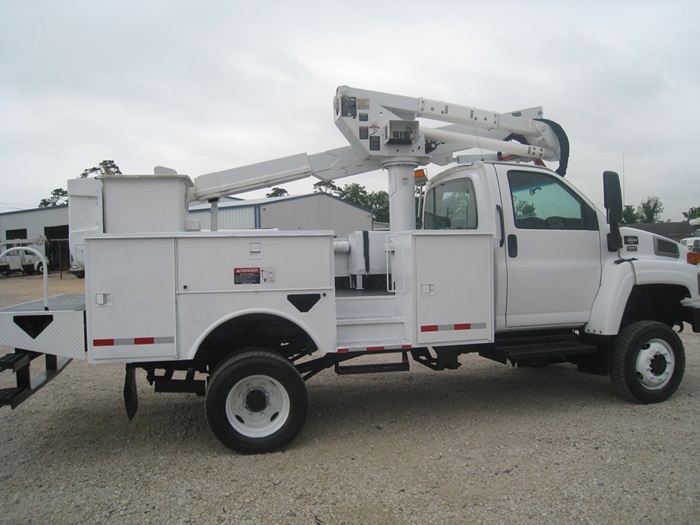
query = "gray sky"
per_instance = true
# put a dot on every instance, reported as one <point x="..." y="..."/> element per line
<point x="205" y="86"/>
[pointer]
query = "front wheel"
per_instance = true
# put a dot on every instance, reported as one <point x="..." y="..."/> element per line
<point x="647" y="362"/>
<point x="256" y="402"/>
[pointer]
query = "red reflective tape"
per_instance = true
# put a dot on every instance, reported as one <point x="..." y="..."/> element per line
<point x="406" y="347"/>
<point x="463" y="326"/>
<point x="429" y="328"/>
<point x="103" y="342"/>
<point x="144" y="340"/>
<point x="343" y="350"/>
<point x="375" y="348"/>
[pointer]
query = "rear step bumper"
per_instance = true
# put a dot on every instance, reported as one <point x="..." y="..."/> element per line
<point x="19" y="363"/>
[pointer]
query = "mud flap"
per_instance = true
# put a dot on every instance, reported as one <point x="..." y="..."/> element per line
<point x="131" y="397"/>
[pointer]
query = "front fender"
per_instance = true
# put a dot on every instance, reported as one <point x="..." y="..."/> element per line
<point x="620" y="277"/>
<point x="615" y="287"/>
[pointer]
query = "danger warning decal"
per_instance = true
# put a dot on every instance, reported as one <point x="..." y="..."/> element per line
<point x="253" y="275"/>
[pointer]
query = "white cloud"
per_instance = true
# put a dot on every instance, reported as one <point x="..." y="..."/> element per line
<point x="207" y="86"/>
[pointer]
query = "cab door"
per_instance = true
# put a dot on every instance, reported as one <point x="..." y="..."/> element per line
<point x="553" y="249"/>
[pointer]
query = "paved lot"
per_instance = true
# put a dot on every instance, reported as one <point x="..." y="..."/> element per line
<point x="483" y="444"/>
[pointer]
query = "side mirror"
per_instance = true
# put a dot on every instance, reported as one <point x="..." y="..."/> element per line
<point x="612" y="200"/>
<point x="612" y="196"/>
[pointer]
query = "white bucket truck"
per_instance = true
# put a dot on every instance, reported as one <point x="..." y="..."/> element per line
<point x="508" y="260"/>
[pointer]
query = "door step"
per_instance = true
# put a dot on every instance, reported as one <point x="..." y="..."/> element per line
<point x="373" y="368"/>
<point x="515" y="353"/>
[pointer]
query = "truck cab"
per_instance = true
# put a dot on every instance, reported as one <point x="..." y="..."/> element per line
<point x="537" y="219"/>
<point x="540" y="220"/>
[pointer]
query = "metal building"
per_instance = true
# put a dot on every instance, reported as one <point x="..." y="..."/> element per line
<point x="316" y="211"/>
<point x="49" y="225"/>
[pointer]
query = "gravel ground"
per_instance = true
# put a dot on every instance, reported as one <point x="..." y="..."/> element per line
<point x="483" y="444"/>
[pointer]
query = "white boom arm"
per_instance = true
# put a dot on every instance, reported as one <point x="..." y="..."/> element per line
<point x="384" y="132"/>
<point x="329" y="165"/>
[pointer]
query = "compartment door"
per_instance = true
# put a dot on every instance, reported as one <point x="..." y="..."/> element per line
<point x="454" y="287"/>
<point x="130" y="296"/>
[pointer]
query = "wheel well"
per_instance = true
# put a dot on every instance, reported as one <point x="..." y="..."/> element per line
<point x="656" y="302"/>
<point x="260" y="330"/>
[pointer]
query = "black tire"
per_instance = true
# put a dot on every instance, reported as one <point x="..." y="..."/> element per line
<point x="40" y="268"/>
<point x="647" y="362"/>
<point x="256" y="402"/>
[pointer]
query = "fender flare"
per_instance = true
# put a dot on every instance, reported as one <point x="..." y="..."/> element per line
<point x="619" y="279"/>
<point x="196" y="346"/>
<point x="616" y="285"/>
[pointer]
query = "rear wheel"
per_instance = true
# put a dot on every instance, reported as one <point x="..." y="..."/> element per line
<point x="647" y="362"/>
<point x="256" y="402"/>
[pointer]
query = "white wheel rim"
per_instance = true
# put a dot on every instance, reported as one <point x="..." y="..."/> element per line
<point x="655" y="364"/>
<point x="257" y="406"/>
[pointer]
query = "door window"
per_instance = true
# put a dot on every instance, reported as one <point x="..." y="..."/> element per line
<point x="451" y="206"/>
<point x="541" y="201"/>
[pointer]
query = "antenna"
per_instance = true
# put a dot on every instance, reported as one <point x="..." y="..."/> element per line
<point x="623" y="178"/>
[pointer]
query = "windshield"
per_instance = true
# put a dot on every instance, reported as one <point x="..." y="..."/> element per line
<point x="542" y="201"/>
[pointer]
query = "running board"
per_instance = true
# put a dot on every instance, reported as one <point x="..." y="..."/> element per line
<point x="373" y="368"/>
<point x="558" y="349"/>
<point x="19" y="363"/>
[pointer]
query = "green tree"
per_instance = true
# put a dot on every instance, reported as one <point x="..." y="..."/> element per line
<point x="326" y="186"/>
<point x="629" y="215"/>
<point x="379" y="205"/>
<point x="277" y="192"/>
<point x="58" y="197"/>
<point x="106" y="167"/>
<point x="650" y="210"/>
<point x="377" y="202"/>
<point x="692" y="213"/>
<point x="356" y="194"/>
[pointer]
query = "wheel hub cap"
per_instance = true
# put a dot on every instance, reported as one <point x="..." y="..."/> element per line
<point x="256" y="401"/>
<point x="258" y="406"/>
<point x="655" y="364"/>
